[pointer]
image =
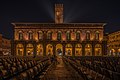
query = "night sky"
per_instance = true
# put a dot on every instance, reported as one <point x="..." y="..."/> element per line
<point x="42" y="11"/>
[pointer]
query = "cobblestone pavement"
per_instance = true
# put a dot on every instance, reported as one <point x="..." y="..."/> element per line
<point x="63" y="72"/>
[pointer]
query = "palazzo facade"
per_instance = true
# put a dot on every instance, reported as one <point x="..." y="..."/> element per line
<point x="70" y="39"/>
<point x="114" y="43"/>
<point x="5" y="46"/>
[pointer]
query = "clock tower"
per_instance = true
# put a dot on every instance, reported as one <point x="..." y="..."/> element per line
<point x="58" y="13"/>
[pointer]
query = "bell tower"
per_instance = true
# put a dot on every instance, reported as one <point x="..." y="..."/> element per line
<point x="58" y="13"/>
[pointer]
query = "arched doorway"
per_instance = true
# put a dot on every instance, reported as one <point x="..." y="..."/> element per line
<point x="112" y="52"/>
<point x="68" y="50"/>
<point x="88" y="50"/>
<point x="39" y="50"/>
<point x="59" y="49"/>
<point x="19" y="50"/>
<point x="29" y="50"/>
<point x="98" y="50"/>
<point x="49" y="49"/>
<point x="78" y="50"/>
<point x="118" y="50"/>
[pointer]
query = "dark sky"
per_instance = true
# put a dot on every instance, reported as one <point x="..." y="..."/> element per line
<point x="81" y="11"/>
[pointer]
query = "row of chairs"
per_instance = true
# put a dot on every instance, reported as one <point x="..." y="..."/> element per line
<point x="24" y="68"/>
<point x="88" y="67"/>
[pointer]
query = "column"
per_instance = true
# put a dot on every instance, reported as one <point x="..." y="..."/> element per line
<point x="63" y="49"/>
<point x="73" y="49"/>
<point x="83" y="49"/>
<point x="44" y="49"/>
<point x="24" y="49"/>
<point x="93" y="49"/>
<point x="35" y="49"/>
<point x="54" y="49"/>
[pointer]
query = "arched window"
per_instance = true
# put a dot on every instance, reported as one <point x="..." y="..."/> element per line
<point x="78" y="50"/>
<point x="97" y="35"/>
<point x="49" y="49"/>
<point x="29" y="50"/>
<point x="88" y="50"/>
<point x="19" y="50"/>
<point x="20" y="35"/>
<point x="68" y="35"/>
<point x="59" y="35"/>
<point x="68" y="50"/>
<point x="49" y="35"/>
<point x="98" y="50"/>
<point x="40" y="35"/>
<point x="88" y="35"/>
<point x="78" y="35"/>
<point x="39" y="50"/>
<point x="30" y="35"/>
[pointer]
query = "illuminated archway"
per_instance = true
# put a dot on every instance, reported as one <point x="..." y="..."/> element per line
<point x="19" y="50"/>
<point x="78" y="50"/>
<point x="112" y="51"/>
<point x="49" y="49"/>
<point x="39" y="50"/>
<point x="68" y="50"/>
<point x="29" y="50"/>
<point x="88" y="50"/>
<point x="59" y="49"/>
<point x="98" y="50"/>
<point x="119" y="50"/>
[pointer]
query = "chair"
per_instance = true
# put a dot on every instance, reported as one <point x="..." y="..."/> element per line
<point x="116" y="76"/>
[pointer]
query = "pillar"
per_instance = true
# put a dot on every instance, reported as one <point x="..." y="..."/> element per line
<point x="93" y="49"/>
<point x="24" y="49"/>
<point x="35" y="49"/>
<point x="44" y="49"/>
<point x="83" y="49"/>
<point x="63" y="49"/>
<point x="73" y="49"/>
<point x="54" y="49"/>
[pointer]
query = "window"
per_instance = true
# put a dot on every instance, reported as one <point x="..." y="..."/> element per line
<point x="59" y="35"/>
<point x="97" y="35"/>
<point x="20" y="35"/>
<point x="30" y="35"/>
<point x="78" y="35"/>
<point x="68" y="35"/>
<point x="49" y="35"/>
<point x="88" y="35"/>
<point x="40" y="35"/>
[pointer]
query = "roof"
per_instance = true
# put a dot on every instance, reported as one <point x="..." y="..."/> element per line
<point x="56" y="25"/>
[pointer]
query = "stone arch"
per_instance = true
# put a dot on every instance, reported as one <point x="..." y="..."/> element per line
<point x="29" y="49"/>
<point x="59" y="49"/>
<point x="19" y="50"/>
<point x="98" y="50"/>
<point x="39" y="50"/>
<point x="88" y="50"/>
<point x="68" y="50"/>
<point x="49" y="49"/>
<point x="78" y="50"/>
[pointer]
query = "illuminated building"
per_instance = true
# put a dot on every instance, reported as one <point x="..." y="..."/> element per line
<point x="71" y="39"/>
<point x="114" y="43"/>
<point x="5" y="46"/>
